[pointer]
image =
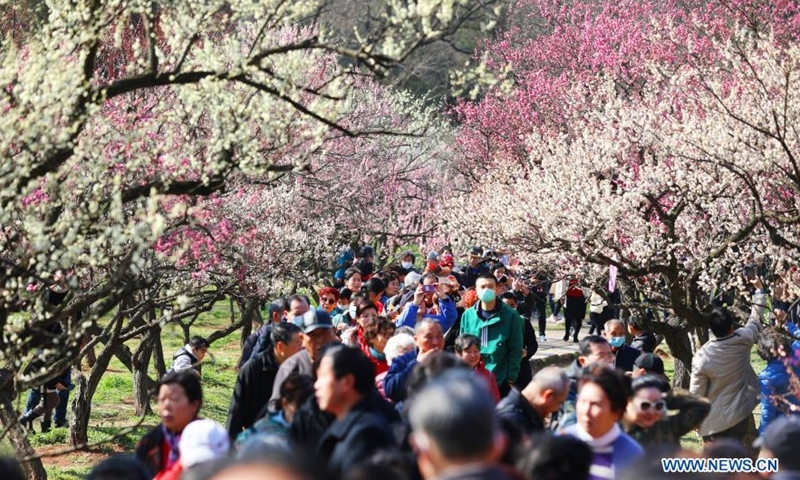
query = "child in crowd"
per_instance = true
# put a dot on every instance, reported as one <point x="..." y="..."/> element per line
<point x="468" y="349"/>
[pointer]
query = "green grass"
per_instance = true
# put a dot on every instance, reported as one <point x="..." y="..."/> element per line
<point x="112" y="405"/>
<point x="67" y="473"/>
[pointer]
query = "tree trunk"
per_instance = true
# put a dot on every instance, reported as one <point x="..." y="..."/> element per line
<point x="16" y="434"/>
<point x="247" y="329"/>
<point x="85" y="390"/>
<point x="79" y="425"/>
<point x="681" y="348"/>
<point x="141" y="386"/>
<point x="158" y="355"/>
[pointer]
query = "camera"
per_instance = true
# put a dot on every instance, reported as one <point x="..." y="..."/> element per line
<point x="428" y="289"/>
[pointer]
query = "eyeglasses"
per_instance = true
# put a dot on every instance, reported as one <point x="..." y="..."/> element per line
<point x="328" y="300"/>
<point x="644" y="406"/>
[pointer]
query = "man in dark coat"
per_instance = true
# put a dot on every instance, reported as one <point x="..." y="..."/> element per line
<point x="642" y="340"/>
<point x="625" y="355"/>
<point x="476" y="267"/>
<point x="345" y="382"/>
<point x="254" y="382"/>
<point x="543" y="396"/>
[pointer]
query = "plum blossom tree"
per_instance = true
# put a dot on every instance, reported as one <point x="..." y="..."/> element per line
<point x="370" y="188"/>
<point x="669" y="162"/>
<point x="118" y="116"/>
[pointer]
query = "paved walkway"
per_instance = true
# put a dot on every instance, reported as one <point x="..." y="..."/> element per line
<point x="555" y="350"/>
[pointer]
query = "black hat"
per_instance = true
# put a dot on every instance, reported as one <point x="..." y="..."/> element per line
<point x="650" y="362"/>
<point x="476" y="251"/>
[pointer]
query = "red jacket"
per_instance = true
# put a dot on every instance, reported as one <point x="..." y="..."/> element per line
<point x="481" y="371"/>
<point x="172" y="473"/>
<point x="380" y="365"/>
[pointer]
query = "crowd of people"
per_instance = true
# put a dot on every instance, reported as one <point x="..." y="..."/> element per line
<point x="409" y="373"/>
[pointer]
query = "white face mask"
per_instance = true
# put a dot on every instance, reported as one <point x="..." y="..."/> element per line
<point x="406" y="265"/>
<point x="352" y="311"/>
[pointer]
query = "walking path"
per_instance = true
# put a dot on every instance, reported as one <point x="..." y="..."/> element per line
<point x="555" y="351"/>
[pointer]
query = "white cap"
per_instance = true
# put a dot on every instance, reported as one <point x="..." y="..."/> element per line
<point x="412" y="279"/>
<point x="203" y="441"/>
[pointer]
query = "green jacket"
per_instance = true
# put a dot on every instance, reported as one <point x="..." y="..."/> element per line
<point x="501" y="339"/>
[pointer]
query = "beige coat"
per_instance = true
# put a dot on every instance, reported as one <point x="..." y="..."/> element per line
<point x="721" y="372"/>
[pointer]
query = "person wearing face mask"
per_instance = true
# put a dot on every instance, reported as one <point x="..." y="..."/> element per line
<point x="406" y="266"/>
<point x="625" y="355"/>
<point x="500" y="329"/>
<point x="347" y="319"/>
<point x="647" y="419"/>
<point x="344" y="301"/>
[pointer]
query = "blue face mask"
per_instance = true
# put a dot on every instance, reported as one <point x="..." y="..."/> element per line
<point x="487" y="295"/>
<point x="616" y="342"/>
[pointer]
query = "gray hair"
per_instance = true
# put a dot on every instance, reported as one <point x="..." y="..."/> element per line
<point x="456" y="413"/>
<point x="405" y="329"/>
<point x="551" y="378"/>
<point x="426" y="321"/>
<point x="613" y="322"/>
<point x="396" y="345"/>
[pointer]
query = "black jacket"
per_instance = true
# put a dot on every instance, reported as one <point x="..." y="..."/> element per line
<point x="263" y="342"/>
<point x="519" y="411"/>
<point x="363" y="431"/>
<point x="531" y="346"/>
<point x="625" y="357"/>
<point x="645" y="341"/>
<point x="480" y="472"/>
<point x="308" y="425"/>
<point x="63" y="379"/>
<point x="252" y="391"/>
<point x="470" y="274"/>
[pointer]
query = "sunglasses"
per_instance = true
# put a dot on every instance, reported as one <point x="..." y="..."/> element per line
<point x="328" y="300"/>
<point x="645" y="406"/>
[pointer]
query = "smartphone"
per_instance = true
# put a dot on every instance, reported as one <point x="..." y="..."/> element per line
<point x="428" y="289"/>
